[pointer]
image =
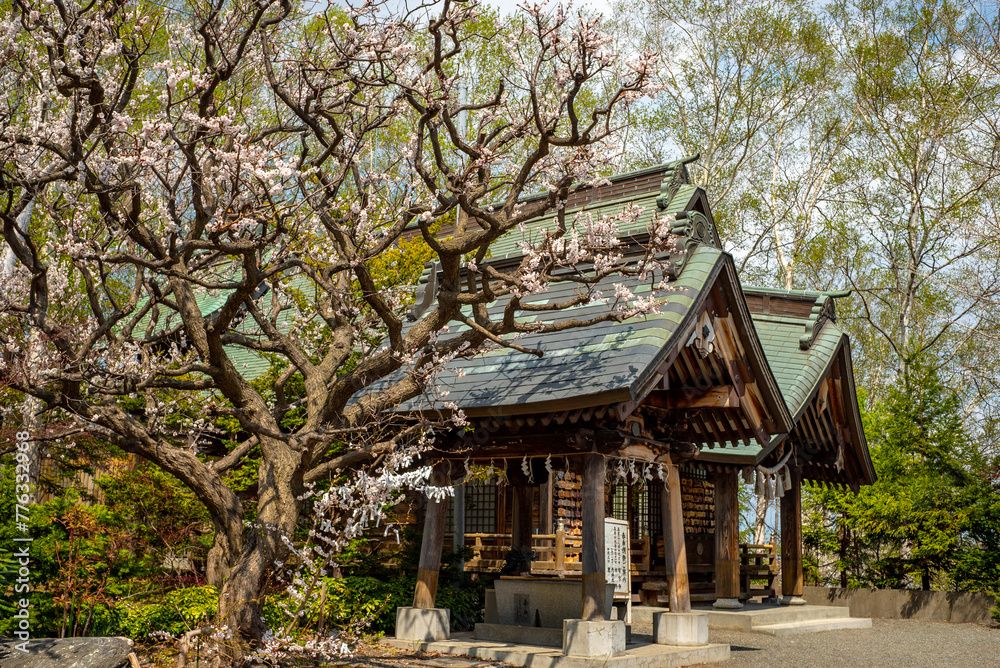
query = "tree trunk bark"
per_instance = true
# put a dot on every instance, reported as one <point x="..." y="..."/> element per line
<point x="845" y="541"/>
<point x="429" y="567"/>
<point x="220" y="556"/>
<point x="760" y="521"/>
<point x="241" y="599"/>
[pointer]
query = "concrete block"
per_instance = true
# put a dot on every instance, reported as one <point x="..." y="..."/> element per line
<point x="680" y="628"/>
<point x="490" y="613"/>
<point x="541" y="602"/>
<point x="519" y="635"/>
<point x="812" y="626"/>
<point x="423" y="623"/>
<point x="598" y="639"/>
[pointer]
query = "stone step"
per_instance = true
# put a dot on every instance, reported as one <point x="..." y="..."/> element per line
<point x="753" y="615"/>
<point x="520" y="635"/>
<point x="814" y="625"/>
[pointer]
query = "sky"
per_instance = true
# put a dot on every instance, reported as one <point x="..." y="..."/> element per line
<point x="508" y="6"/>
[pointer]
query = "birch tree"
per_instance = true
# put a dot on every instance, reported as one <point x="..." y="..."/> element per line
<point x="919" y="212"/>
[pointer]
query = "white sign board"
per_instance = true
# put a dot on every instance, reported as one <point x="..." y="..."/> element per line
<point x="617" y="555"/>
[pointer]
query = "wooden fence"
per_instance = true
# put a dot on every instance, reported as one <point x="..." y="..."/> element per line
<point x="558" y="554"/>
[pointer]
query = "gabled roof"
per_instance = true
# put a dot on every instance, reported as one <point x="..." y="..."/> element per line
<point x="807" y="351"/>
<point x="600" y="364"/>
<point x="615" y="362"/>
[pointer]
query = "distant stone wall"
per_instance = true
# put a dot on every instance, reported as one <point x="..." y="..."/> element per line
<point x="946" y="606"/>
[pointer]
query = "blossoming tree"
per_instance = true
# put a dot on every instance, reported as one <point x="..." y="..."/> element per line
<point x="268" y="156"/>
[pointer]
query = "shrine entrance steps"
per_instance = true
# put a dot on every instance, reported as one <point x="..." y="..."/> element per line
<point x="783" y="620"/>
<point x="636" y="655"/>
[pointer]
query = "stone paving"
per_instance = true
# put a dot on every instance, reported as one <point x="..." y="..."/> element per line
<point x="890" y="643"/>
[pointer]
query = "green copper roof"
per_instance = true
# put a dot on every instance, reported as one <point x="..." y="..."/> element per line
<point x="581" y="366"/>
<point x="797" y="371"/>
<point x="509" y="244"/>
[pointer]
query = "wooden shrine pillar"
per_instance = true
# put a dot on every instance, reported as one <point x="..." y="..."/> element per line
<point x="458" y="530"/>
<point x="791" y="541"/>
<point x="673" y="542"/>
<point x="547" y="500"/>
<point x="521" y="524"/>
<point x="727" y="533"/>
<point x="431" y="545"/>
<point x="595" y="603"/>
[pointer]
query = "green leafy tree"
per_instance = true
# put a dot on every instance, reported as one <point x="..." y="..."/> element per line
<point x="932" y="512"/>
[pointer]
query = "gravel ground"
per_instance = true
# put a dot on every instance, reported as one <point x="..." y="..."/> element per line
<point x="890" y="643"/>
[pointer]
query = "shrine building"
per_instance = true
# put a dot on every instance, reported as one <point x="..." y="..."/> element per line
<point x="611" y="464"/>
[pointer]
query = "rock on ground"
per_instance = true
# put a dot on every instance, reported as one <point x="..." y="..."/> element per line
<point x="67" y="653"/>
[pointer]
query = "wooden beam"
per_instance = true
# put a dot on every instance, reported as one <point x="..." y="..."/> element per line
<point x="521" y="525"/>
<point x="548" y="505"/>
<point x="717" y="396"/>
<point x="791" y="540"/>
<point x="727" y="532"/>
<point x="695" y="376"/>
<point x="594" y="603"/>
<point x="673" y="543"/>
<point x="458" y="515"/>
<point x="431" y="544"/>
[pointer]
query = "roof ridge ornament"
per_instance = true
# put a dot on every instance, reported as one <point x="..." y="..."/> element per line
<point x="427" y="294"/>
<point x="674" y="177"/>
<point x="823" y="309"/>
<point x="693" y="228"/>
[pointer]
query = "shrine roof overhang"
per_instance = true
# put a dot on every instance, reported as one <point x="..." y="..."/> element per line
<point x="810" y="357"/>
<point x="610" y="363"/>
<point x="604" y="363"/>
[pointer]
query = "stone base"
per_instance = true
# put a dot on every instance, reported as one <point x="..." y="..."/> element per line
<point x="521" y="601"/>
<point x="639" y="655"/>
<point x="793" y="600"/>
<point x="680" y="628"/>
<point x="597" y="639"/>
<point x="539" y="636"/>
<point x="490" y="615"/>
<point x="423" y="623"/>
<point x="727" y="604"/>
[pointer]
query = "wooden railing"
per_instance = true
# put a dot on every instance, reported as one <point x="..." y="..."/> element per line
<point x="555" y="554"/>
<point x="559" y="554"/>
<point x="757" y="563"/>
